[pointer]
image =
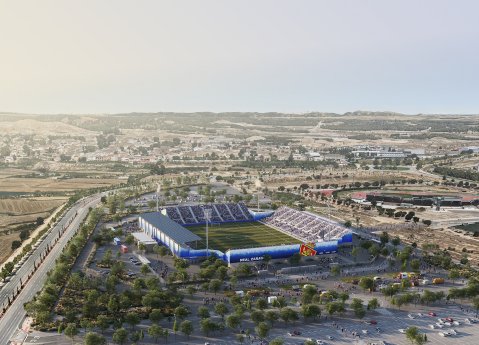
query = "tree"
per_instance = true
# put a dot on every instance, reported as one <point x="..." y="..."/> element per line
<point x="277" y="341"/>
<point x="155" y="331"/>
<point x="335" y="307"/>
<point x="144" y="269"/>
<point x="262" y="330"/>
<point x="120" y="336"/>
<point x="261" y="303"/>
<point x="384" y="238"/>
<point x="92" y="338"/>
<point x="288" y="314"/>
<point x="343" y="296"/>
<point x="271" y="316"/>
<point x="367" y="283"/>
<point x="358" y="308"/>
<point x="413" y="335"/>
<point x="186" y="328"/>
<point x="415" y="264"/>
<point x="132" y="319"/>
<point x="215" y="285"/>
<point x="373" y="304"/>
<point x="207" y="326"/>
<point x="181" y="312"/>
<point x="102" y="323"/>
<point x="257" y="316"/>
<point x="279" y="302"/>
<point x="71" y="331"/>
<point x="311" y="310"/>
<point x="335" y="270"/>
<point x="396" y="241"/>
<point x="163" y="251"/>
<point x="475" y="303"/>
<point x="453" y="275"/>
<point x="233" y="321"/>
<point x="221" y="309"/>
<point x="135" y="337"/>
<point x="233" y="281"/>
<point x="16" y="244"/>
<point x="203" y="312"/>
<point x="156" y="315"/>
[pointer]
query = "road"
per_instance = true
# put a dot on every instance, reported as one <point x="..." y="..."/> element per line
<point x="44" y="258"/>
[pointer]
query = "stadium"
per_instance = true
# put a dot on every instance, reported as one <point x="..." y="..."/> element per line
<point x="236" y="234"/>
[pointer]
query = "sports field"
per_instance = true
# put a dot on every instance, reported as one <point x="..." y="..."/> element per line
<point x="241" y="235"/>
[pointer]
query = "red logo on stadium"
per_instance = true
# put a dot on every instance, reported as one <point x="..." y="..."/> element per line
<point x="307" y="249"/>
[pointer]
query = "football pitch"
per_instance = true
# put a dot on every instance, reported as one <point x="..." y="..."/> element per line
<point x="240" y="235"/>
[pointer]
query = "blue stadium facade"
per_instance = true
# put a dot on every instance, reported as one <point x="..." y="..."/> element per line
<point x="182" y="242"/>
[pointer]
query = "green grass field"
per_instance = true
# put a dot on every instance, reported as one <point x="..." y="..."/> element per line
<point x="241" y="235"/>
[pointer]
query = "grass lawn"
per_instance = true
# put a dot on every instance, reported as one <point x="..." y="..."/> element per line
<point x="241" y="235"/>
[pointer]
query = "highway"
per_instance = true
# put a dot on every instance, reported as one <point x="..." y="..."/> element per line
<point x="44" y="258"/>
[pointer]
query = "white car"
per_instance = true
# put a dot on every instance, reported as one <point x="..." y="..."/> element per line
<point x="439" y="325"/>
<point x="365" y="331"/>
<point x="330" y="337"/>
<point x="411" y="316"/>
<point x="402" y="330"/>
<point x="448" y="324"/>
<point x="456" y="323"/>
<point x="432" y="326"/>
<point x="467" y="321"/>
<point x="453" y="332"/>
<point x="442" y="334"/>
<point x="319" y="342"/>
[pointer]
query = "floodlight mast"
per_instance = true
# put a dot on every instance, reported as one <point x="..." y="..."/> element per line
<point x="258" y="185"/>
<point x="158" y="190"/>
<point x="207" y="213"/>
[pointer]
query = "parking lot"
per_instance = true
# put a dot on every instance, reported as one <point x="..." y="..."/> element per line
<point x="389" y="322"/>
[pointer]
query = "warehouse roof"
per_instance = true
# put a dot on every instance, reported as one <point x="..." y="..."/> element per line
<point x="170" y="228"/>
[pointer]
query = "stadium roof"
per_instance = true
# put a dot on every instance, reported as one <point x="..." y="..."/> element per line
<point x="170" y="228"/>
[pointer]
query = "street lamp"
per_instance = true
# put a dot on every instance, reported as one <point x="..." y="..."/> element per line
<point x="207" y="214"/>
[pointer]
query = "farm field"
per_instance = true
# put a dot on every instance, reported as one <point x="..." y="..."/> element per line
<point x="241" y="235"/>
<point x="18" y="211"/>
<point x="30" y="185"/>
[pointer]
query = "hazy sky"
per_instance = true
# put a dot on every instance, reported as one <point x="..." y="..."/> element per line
<point x="107" y="56"/>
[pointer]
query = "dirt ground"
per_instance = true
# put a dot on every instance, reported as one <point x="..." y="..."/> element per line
<point x="6" y="245"/>
<point x="445" y="238"/>
<point x="29" y="185"/>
